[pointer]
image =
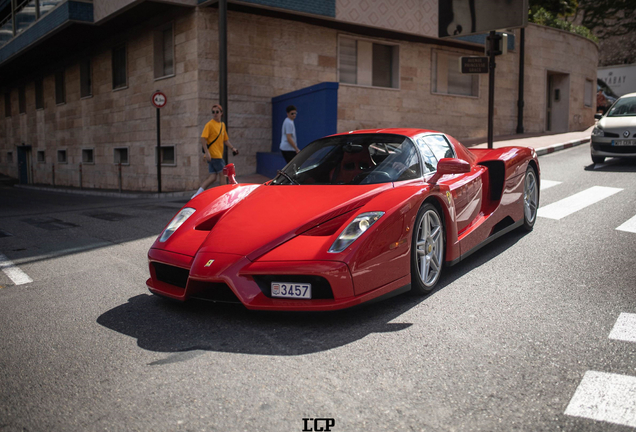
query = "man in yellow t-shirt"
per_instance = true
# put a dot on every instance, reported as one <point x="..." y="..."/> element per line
<point x="212" y="139"/>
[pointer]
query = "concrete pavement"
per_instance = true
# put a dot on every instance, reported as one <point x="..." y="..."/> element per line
<point x="542" y="143"/>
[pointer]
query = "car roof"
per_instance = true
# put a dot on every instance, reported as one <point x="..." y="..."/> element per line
<point x="409" y="132"/>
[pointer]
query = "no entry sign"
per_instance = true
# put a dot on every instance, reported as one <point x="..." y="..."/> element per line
<point x="159" y="99"/>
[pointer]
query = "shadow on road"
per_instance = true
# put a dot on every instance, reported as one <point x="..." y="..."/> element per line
<point x="185" y="329"/>
<point x="614" y="165"/>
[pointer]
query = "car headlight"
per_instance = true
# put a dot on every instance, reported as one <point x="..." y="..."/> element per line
<point x="176" y="222"/>
<point x="354" y="230"/>
<point x="598" y="132"/>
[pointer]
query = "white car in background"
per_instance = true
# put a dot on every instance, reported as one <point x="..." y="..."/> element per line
<point x="615" y="132"/>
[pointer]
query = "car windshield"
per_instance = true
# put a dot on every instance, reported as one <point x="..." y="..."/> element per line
<point x="623" y="107"/>
<point x="353" y="160"/>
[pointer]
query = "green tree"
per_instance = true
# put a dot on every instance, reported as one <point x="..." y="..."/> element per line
<point x="608" y="18"/>
<point x="556" y="8"/>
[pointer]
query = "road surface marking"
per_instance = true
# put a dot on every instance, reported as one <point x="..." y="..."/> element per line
<point x="15" y="274"/>
<point x="547" y="184"/>
<point x="629" y="226"/>
<point x="605" y="397"/>
<point x="576" y="202"/>
<point x="625" y="328"/>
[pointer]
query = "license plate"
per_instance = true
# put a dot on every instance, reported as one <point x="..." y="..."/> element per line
<point x="291" y="290"/>
<point x="624" y="142"/>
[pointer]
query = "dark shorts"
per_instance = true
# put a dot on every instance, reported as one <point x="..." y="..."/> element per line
<point x="288" y="155"/>
<point x="216" y="165"/>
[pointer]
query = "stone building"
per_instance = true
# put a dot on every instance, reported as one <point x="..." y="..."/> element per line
<point x="77" y="77"/>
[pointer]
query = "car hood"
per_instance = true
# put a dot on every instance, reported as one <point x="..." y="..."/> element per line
<point x="618" y="124"/>
<point x="274" y="214"/>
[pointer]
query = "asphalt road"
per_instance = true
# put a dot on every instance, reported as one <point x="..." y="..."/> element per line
<point x="502" y="345"/>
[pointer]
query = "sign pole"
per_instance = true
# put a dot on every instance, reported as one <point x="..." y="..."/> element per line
<point x="158" y="151"/>
<point x="491" y="86"/>
<point x="159" y="100"/>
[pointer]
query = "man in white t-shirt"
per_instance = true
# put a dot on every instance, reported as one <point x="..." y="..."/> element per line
<point x="288" y="144"/>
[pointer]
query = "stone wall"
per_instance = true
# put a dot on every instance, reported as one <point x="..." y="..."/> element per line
<point x="552" y="50"/>
<point x="115" y="118"/>
<point x="267" y="57"/>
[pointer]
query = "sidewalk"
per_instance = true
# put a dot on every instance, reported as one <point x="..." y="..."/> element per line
<point x="543" y="144"/>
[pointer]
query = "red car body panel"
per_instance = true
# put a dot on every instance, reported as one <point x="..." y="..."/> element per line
<point x="242" y="237"/>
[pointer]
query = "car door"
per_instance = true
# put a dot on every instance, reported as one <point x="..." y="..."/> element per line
<point x="466" y="189"/>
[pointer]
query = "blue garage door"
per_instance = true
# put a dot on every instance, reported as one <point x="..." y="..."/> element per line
<point x="317" y="116"/>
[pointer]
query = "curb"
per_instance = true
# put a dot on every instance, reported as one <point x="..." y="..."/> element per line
<point x="556" y="147"/>
<point x="163" y="195"/>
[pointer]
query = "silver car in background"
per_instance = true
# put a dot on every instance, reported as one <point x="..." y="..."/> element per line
<point x="615" y="132"/>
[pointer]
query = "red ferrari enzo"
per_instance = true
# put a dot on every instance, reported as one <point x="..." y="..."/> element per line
<point x="353" y="217"/>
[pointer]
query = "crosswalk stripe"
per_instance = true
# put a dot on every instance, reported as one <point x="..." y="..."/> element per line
<point x="605" y="397"/>
<point x="547" y="184"/>
<point x="576" y="202"/>
<point x="625" y="328"/>
<point x="629" y="226"/>
<point x="13" y="272"/>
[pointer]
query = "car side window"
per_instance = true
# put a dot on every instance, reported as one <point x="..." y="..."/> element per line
<point x="440" y="147"/>
<point x="428" y="158"/>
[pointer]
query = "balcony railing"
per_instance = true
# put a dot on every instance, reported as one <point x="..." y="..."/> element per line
<point x="25" y="13"/>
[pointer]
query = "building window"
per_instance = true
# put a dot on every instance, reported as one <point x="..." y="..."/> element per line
<point x="7" y="104"/>
<point x="121" y="155"/>
<point x="61" y="156"/>
<point x="86" y="81"/>
<point x="119" y="67"/>
<point x="448" y="79"/>
<point x="39" y="93"/>
<point x="164" y="51"/>
<point x="60" y="87"/>
<point x="588" y="93"/>
<point x="368" y="63"/>
<point x="87" y="156"/>
<point x="22" y="99"/>
<point x="41" y="156"/>
<point x="167" y="156"/>
<point x="9" y="157"/>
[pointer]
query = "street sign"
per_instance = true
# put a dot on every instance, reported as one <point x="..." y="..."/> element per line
<point x="159" y="99"/>
<point x="473" y="65"/>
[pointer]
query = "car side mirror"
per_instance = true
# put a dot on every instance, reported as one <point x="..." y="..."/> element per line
<point x="449" y="166"/>
<point x="598" y="116"/>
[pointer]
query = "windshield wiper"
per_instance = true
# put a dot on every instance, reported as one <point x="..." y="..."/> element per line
<point x="288" y="177"/>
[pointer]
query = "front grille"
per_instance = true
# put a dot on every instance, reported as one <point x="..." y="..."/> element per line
<point x="211" y="291"/>
<point x="611" y="135"/>
<point x="614" y="149"/>
<point x="320" y="288"/>
<point x="171" y="275"/>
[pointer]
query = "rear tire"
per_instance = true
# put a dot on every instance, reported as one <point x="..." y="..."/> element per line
<point x="598" y="159"/>
<point x="530" y="198"/>
<point x="427" y="250"/>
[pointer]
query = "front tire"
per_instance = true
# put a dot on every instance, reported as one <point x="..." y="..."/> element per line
<point x="427" y="250"/>
<point x="530" y="198"/>
<point x="598" y="159"/>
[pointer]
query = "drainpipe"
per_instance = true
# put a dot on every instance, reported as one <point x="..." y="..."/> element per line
<point x="13" y="17"/>
<point x="522" y="44"/>
<point x="223" y="66"/>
